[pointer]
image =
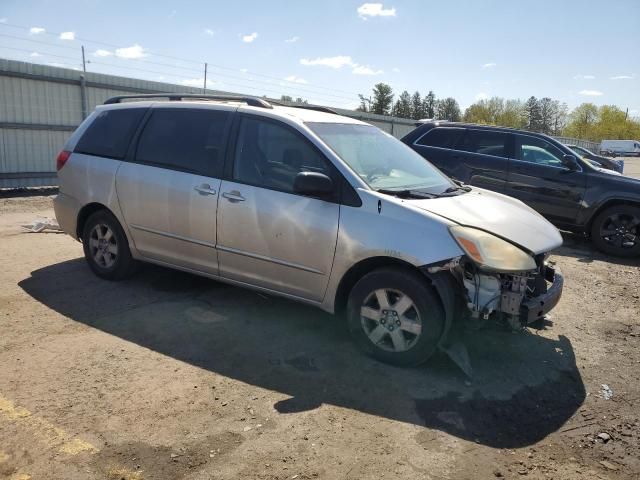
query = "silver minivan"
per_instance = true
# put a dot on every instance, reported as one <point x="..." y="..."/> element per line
<point x="307" y="204"/>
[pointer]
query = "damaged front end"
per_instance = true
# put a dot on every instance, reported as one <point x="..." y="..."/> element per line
<point x="520" y="298"/>
<point x="499" y="279"/>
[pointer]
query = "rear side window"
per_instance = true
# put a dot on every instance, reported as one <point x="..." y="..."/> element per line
<point x="485" y="142"/>
<point x="110" y="133"/>
<point x="186" y="140"/>
<point x="441" y="137"/>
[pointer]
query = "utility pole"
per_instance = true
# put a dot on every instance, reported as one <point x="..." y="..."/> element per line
<point x="204" y="88"/>
<point x="84" y="65"/>
<point x="626" y="114"/>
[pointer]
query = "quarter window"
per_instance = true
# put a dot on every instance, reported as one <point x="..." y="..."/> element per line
<point x="539" y="151"/>
<point x="270" y="155"/>
<point x="186" y="140"/>
<point x="485" y="142"/>
<point x="110" y="132"/>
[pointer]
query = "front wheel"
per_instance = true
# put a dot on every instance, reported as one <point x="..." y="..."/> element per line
<point x="616" y="231"/>
<point x="395" y="316"/>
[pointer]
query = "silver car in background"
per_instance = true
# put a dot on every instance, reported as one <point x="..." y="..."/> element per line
<point x="307" y="204"/>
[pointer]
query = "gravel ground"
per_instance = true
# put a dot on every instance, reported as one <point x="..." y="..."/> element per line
<point x="171" y="376"/>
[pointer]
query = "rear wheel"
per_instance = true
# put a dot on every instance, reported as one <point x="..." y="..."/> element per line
<point x="395" y="316"/>
<point x="106" y="248"/>
<point x="616" y="231"/>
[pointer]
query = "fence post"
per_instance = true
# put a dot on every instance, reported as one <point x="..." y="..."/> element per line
<point x="83" y="96"/>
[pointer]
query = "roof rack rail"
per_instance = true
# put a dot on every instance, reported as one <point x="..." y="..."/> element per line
<point x="316" y="108"/>
<point x="251" y="101"/>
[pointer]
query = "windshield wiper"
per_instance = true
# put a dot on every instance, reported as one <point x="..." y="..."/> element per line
<point x="408" y="193"/>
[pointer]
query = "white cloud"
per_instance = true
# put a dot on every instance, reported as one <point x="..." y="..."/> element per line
<point x="199" y="82"/>
<point x="292" y="39"/>
<point x="365" y="70"/>
<point x="172" y="13"/>
<point x="331" y="62"/>
<point x="590" y="93"/>
<point x="294" y="79"/>
<point x="102" y="53"/>
<point x="208" y="31"/>
<point x="67" y="36"/>
<point x="489" y="65"/>
<point x="375" y="10"/>
<point x="622" y="77"/>
<point x="481" y="96"/>
<point x="244" y="70"/>
<point x="193" y="82"/>
<point x="34" y="54"/>
<point x="584" y="77"/>
<point x="249" y="38"/>
<point x="3" y="20"/>
<point x="395" y="70"/>
<point x="133" y="52"/>
<point x="36" y="30"/>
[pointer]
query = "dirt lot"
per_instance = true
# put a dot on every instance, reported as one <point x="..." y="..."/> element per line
<point x="170" y="376"/>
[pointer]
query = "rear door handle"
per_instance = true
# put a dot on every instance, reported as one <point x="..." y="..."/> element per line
<point x="204" y="189"/>
<point x="233" y="196"/>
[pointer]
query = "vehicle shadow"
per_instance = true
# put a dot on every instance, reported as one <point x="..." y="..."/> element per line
<point x="525" y="386"/>
<point x="579" y="247"/>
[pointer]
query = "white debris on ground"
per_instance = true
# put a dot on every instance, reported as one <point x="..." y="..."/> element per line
<point x="43" y="224"/>
<point x="606" y="392"/>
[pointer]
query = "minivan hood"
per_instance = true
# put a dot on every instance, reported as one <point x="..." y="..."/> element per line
<point x="503" y="216"/>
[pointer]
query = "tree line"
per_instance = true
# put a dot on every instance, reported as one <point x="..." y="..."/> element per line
<point x="544" y="115"/>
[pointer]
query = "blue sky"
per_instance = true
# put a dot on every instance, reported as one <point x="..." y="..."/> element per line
<point x="329" y="51"/>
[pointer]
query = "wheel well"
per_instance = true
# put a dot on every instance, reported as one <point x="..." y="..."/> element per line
<point x="84" y="213"/>
<point x="604" y="206"/>
<point x="359" y="270"/>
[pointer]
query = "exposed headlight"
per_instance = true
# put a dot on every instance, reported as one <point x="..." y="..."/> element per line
<point x="492" y="252"/>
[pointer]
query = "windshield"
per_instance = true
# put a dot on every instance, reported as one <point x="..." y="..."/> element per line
<point x="381" y="160"/>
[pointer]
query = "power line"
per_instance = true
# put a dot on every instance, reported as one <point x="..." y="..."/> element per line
<point x="96" y="42"/>
<point x="300" y="90"/>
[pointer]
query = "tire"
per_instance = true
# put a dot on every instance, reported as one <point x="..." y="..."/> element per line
<point x="403" y="339"/>
<point x="106" y="248"/>
<point x="622" y="223"/>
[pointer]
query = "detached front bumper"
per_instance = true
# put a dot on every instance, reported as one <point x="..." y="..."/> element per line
<point x="533" y="309"/>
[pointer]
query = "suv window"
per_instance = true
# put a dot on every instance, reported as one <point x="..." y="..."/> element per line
<point x="441" y="137"/>
<point x="270" y="155"/>
<point x="485" y="142"/>
<point x="186" y="140"/>
<point x="110" y="133"/>
<point x="538" y="150"/>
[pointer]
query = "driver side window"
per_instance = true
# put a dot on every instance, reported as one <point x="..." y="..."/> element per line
<point x="538" y="151"/>
<point x="269" y="155"/>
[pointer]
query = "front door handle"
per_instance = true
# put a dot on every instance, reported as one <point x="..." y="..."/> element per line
<point x="205" y="189"/>
<point x="233" y="196"/>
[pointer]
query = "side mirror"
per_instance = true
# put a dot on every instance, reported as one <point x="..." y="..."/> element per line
<point x="570" y="161"/>
<point x="312" y="183"/>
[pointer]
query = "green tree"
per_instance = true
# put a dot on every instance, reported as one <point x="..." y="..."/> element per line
<point x="448" y="109"/>
<point x="417" y="108"/>
<point x="532" y="114"/>
<point x="365" y="104"/>
<point x="547" y="114"/>
<point x="429" y="105"/>
<point x="404" y="105"/>
<point x="582" y="122"/>
<point x="382" y="99"/>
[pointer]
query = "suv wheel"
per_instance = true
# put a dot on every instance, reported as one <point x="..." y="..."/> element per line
<point x="616" y="231"/>
<point x="106" y="248"/>
<point x="395" y="316"/>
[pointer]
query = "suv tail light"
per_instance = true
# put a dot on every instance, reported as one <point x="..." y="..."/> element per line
<point x="63" y="156"/>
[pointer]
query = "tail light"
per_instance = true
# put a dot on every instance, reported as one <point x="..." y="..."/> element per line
<point x="63" y="156"/>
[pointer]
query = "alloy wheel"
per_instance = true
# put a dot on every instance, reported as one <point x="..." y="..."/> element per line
<point x="390" y="320"/>
<point x="103" y="245"/>
<point x="620" y="230"/>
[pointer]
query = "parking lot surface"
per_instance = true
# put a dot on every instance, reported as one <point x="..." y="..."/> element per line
<point x="172" y="376"/>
